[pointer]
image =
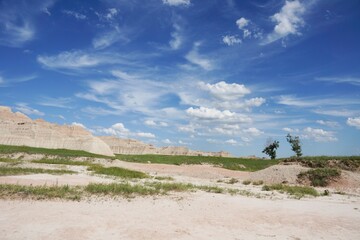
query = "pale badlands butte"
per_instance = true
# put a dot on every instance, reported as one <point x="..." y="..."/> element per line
<point x="20" y="130"/>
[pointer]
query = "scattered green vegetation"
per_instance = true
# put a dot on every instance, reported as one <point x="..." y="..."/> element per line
<point x="246" y="182"/>
<point x="240" y="164"/>
<point x="350" y="163"/>
<point x="320" y="176"/>
<point x="212" y="189"/>
<point x="40" y="192"/>
<point x="9" y="160"/>
<point x="122" y="189"/>
<point x="62" y="161"/>
<point x="296" y="191"/>
<point x="8" y="171"/>
<point x="6" y="149"/>
<point x="117" y="172"/>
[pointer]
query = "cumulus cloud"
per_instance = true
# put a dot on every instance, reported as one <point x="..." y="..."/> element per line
<point x="167" y="141"/>
<point x="196" y="58"/>
<point x="153" y="123"/>
<point x="242" y="22"/>
<point x="253" y="131"/>
<point x="177" y="2"/>
<point x="290" y="130"/>
<point x="354" y="122"/>
<point x="78" y="124"/>
<point x="24" y="108"/>
<point x="145" y="135"/>
<point x="319" y="135"/>
<point x="212" y="114"/>
<point x="226" y="91"/>
<point x="231" y="40"/>
<point x="231" y="141"/>
<point x="288" y="21"/>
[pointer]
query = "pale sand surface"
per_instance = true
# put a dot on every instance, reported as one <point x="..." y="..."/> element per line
<point x="197" y="215"/>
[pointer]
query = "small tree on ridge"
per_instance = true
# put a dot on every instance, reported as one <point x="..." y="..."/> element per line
<point x="270" y="148"/>
<point x="295" y="144"/>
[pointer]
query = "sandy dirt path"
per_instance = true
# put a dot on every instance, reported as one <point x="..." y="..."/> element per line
<point x="186" y="216"/>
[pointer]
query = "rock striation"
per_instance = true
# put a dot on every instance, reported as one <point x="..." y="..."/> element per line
<point x="135" y="147"/>
<point x="20" y="130"/>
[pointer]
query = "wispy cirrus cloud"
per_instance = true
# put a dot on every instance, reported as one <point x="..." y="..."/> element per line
<point x="346" y="80"/>
<point x="197" y="59"/>
<point x="16" y="21"/>
<point x="74" y="60"/>
<point x="26" y="109"/>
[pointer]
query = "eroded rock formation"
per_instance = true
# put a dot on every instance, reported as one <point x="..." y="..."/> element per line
<point x="18" y="129"/>
<point x="131" y="146"/>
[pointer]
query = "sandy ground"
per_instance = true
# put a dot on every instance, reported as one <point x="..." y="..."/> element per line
<point x="192" y="215"/>
<point x="186" y="216"/>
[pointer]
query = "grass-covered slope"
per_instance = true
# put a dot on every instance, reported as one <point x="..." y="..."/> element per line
<point x="228" y="163"/>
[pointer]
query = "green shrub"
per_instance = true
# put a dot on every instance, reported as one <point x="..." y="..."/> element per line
<point x="320" y="176"/>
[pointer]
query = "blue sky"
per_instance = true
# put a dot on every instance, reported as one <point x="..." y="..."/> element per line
<point x="211" y="75"/>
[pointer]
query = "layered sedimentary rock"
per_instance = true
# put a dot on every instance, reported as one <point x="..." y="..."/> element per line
<point x="18" y="129"/>
<point x="131" y="146"/>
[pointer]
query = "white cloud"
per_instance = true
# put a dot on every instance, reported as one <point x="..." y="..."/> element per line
<point x="213" y="114"/>
<point x="74" y="14"/>
<point x="226" y="91"/>
<point x="331" y="124"/>
<point x="177" y="38"/>
<point x="107" y="39"/>
<point x="209" y="113"/>
<point x="73" y="60"/>
<point x="176" y="2"/>
<point x="231" y="40"/>
<point x="167" y="141"/>
<point x="318" y="135"/>
<point x="314" y="102"/>
<point x="231" y="141"/>
<point x="195" y="58"/>
<point x="354" y="122"/>
<point x="253" y="131"/>
<point x="187" y="128"/>
<point x="145" y="135"/>
<point x="112" y="12"/>
<point x="290" y="130"/>
<point x="79" y="125"/>
<point x="61" y="102"/>
<point x="153" y="123"/>
<point x="349" y="80"/>
<point x="288" y="20"/>
<point x="242" y="22"/>
<point x="24" y="108"/>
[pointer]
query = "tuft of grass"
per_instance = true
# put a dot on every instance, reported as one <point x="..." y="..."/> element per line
<point x="241" y="164"/>
<point x="9" y="160"/>
<point x="166" y="178"/>
<point x="9" y="171"/>
<point x="320" y="176"/>
<point x="232" y="181"/>
<point x="170" y="187"/>
<point x="257" y="183"/>
<point x="122" y="189"/>
<point x="297" y="191"/>
<point x="40" y="192"/>
<point x="117" y="172"/>
<point x="246" y="182"/>
<point x="7" y="149"/>
<point x="212" y="189"/>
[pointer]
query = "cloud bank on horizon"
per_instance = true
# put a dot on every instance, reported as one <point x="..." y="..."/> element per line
<point x="213" y="75"/>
